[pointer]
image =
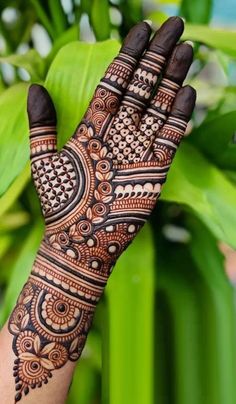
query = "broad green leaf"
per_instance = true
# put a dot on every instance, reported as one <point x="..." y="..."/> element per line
<point x="221" y="39"/>
<point x="196" y="183"/>
<point x="58" y="16"/>
<point x="217" y="299"/>
<point x="195" y="11"/>
<point x="167" y="2"/>
<point x="158" y="16"/>
<point x="13" y="220"/>
<point x="5" y="241"/>
<point x="71" y="35"/>
<point x="31" y="61"/>
<point x="15" y="189"/>
<point x="128" y="347"/>
<point x="194" y="320"/>
<point x="21" y="270"/>
<point x="215" y="138"/>
<point x="72" y="79"/>
<point x="84" y="384"/>
<point x="100" y="19"/>
<point x="14" y="144"/>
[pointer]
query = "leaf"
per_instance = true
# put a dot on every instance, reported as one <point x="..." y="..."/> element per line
<point x="48" y="348"/>
<point x="72" y="34"/>
<point x="21" y="270"/>
<point x="72" y="78"/>
<point x="27" y="299"/>
<point x="74" y="344"/>
<point x="5" y="242"/>
<point x="99" y="176"/>
<point x="199" y="185"/>
<point x="37" y="344"/>
<point x="221" y="39"/>
<point x="215" y="138"/>
<point x="25" y="321"/>
<point x="217" y="300"/>
<point x="97" y="220"/>
<point x="128" y="345"/>
<point x="195" y="319"/>
<point x="31" y="61"/>
<point x="196" y="11"/>
<point x="15" y="189"/>
<point x="100" y="19"/>
<point x="74" y="356"/>
<point x="47" y="364"/>
<point x="28" y="356"/>
<point x="14" y="144"/>
<point x="14" y="328"/>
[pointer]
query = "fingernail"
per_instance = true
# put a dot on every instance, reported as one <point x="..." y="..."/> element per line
<point x="189" y="43"/>
<point x="149" y="22"/>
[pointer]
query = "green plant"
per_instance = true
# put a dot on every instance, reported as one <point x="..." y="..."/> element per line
<point x="165" y="330"/>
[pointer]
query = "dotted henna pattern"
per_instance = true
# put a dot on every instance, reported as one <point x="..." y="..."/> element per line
<point x="95" y="194"/>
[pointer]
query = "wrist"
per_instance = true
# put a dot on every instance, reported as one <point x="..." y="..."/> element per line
<point x="72" y="277"/>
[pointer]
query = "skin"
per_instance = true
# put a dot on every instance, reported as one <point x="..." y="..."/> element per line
<point x="129" y="111"/>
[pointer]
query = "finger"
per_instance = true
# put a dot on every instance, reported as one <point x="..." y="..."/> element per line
<point x="174" y="76"/>
<point x="160" y="105"/>
<point x="170" y="136"/>
<point x="140" y="88"/>
<point x="42" y="122"/>
<point x="132" y="146"/>
<point x="112" y="86"/>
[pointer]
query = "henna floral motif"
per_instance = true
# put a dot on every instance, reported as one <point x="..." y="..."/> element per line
<point x="95" y="194"/>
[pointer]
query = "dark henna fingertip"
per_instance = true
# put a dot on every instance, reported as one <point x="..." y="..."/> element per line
<point x="179" y="63"/>
<point x="184" y="103"/>
<point x="137" y="39"/>
<point x="167" y="36"/>
<point x="40" y="108"/>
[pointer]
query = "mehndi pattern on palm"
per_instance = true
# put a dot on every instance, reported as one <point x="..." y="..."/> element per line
<point x="96" y="193"/>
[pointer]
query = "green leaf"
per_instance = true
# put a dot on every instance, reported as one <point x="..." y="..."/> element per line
<point x="195" y="321"/>
<point x="13" y="192"/>
<point x="215" y="138"/>
<point x="100" y="19"/>
<point x="14" y="144"/>
<point x="198" y="184"/>
<point x="196" y="11"/>
<point x="128" y="347"/>
<point x="21" y="270"/>
<point x="72" y="78"/>
<point x="217" y="298"/>
<point x="31" y="61"/>
<point x="72" y="34"/>
<point x="58" y="16"/>
<point x="221" y="39"/>
<point x="5" y="242"/>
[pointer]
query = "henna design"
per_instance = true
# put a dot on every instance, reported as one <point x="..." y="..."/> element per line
<point x="95" y="194"/>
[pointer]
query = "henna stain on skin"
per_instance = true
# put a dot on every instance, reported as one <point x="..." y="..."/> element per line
<point x="95" y="194"/>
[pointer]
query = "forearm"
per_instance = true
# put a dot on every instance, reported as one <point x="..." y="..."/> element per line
<point x="47" y="330"/>
<point x="54" y="392"/>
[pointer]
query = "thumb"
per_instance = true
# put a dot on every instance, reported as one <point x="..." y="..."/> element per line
<point x="42" y="123"/>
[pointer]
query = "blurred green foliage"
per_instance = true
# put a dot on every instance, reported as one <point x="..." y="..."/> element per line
<point x="165" y="330"/>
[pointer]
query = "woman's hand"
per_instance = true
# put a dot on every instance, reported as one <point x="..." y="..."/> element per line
<point x="97" y="192"/>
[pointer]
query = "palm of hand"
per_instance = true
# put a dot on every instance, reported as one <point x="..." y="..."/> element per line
<point x="96" y="193"/>
<point x="101" y="187"/>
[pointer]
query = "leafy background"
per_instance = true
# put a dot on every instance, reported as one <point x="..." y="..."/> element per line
<point x="165" y="329"/>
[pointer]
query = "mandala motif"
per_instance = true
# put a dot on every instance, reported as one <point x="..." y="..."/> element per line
<point x="95" y="194"/>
